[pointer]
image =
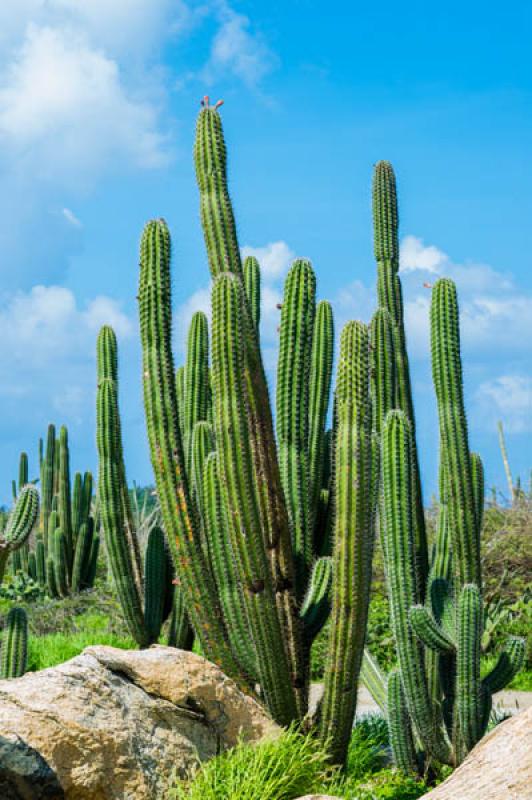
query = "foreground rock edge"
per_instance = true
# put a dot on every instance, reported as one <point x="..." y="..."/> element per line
<point x="113" y="723"/>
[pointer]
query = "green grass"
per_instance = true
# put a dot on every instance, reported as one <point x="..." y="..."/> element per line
<point x="54" y="648"/>
<point x="293" y="765"/>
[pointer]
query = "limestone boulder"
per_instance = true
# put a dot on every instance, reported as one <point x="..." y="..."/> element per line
<point x="498" y="768"/>
<point x="114" y="724"/>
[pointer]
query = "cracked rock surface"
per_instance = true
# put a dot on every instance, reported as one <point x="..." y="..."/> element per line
<point x="114" y="724"/>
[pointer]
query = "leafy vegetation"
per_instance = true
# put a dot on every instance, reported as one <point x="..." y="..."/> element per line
<point x="293" y="765"/>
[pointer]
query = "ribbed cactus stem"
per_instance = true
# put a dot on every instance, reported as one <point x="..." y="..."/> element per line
<point x="47" y="483"/>
<point x="293" y="373"/>
<point x="14" y="652"/>
<point x="202" y="444"/>
<point x="321" y="361"/>
<point x="155" y="576"/>
<point x="224" y="256"/>
<point x="353" y="537"/>
<point x="82" y="555"/>
<point x="19" y="525"/>
<point x="180" y="521"/>
<point x="224" y="568"/>
<point x="316" y="605"/>
<point x="386" y="241"/>
<point x="107" y="369"/>
<point x="196" y="380"/>
<point x="236" y="468"/>
<point x="383" y="379"/>
<point x="399" y="541"/>
<point x="60" y="558"/>
<point x="252" y="284"/>
<point x="468" y="686"/>
<point x="447" y="375"/>
<point x="217" y="216"/>
<point x="77" y="505"/>
<point x="65" y="508"/>
<point x="112" y="512"/>
<point x="401" y="739"/>
<point x="23" y="475"/>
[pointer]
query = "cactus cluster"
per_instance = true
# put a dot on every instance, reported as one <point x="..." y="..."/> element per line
<point x="438" y="707"/>
<point x="271" y="525"/>
<point x="144" y="587"/>
<point x="64" y="555"/>
<point x="247" y="505"/>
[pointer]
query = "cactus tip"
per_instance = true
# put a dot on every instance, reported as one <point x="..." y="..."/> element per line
<point x="218" y="104"/>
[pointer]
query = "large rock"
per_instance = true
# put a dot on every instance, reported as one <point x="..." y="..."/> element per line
<point x="113" y="724"/>
<point x="498" y="768"/>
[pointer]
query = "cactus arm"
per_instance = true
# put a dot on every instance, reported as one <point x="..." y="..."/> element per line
<point x="468" y="686"/>
<point x="160" y="402"/>
<point x="77" y="504"/>
<point x="233" y="444"/>
<point x="429" y="632"/>
<point x="60" y="558"/>
<point x="353" y="538"/>
<point x="180" y="396"/>
<point x="401" y="739"/>
<point x="509" y="663"/>
<point x="477" y="477"/>
<point x="180" y="633"/>
<point x="297" y="321"/>
<point x="14" y="653"/>
<point x="252" y="284"/>
<point x="386" y="241"/>
<point x="316" y="605"/>
<point x="321" y="362"/>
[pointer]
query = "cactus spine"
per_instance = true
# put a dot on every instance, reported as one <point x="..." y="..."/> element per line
<point x="14" y="651"/>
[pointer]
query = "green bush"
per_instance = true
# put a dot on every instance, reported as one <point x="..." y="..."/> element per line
<point x="385" y="785"/>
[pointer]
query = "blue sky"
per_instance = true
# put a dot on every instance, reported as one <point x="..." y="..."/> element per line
<point x="97" y="111"/>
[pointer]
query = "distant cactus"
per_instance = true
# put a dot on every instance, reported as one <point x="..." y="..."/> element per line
<point x="68" y="507"/>
<point x="14" y="649"/>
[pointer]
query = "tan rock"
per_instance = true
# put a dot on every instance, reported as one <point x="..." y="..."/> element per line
<point x="498" y="768"/>
<point x="112" y="724"/>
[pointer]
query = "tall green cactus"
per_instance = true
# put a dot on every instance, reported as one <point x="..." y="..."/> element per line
<point x="143" y="609"/>
<point x="386" y="240"/>
<point x="353" y="535"/>
<point x="439" y="639"/>
<point x="14" y="649"/>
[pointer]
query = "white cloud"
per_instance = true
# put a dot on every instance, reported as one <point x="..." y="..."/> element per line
<point x="494" y="312"/>
<point x="508" y="398"/>
<point x="44" y="327"/>
<point x="64" y="110"/>
<point x="71" y="218"/>
<point x="236" y="49"/>
<point x="274" y="259"/>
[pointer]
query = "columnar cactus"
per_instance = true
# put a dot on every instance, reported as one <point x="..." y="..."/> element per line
<point x="68" y="508"/>
<point x="14" y="649"/>
<point x="19" y="525"/>
<point x="143" y="607"/>
<point x="442" y="702"/>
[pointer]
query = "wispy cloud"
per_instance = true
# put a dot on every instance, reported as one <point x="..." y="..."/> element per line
<point x="71" y="218"/>
<point x="506" y="397"/>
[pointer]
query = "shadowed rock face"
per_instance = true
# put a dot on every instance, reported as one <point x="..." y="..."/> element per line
<point x="24" y="774"/>
<point x="113" y="724"/>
